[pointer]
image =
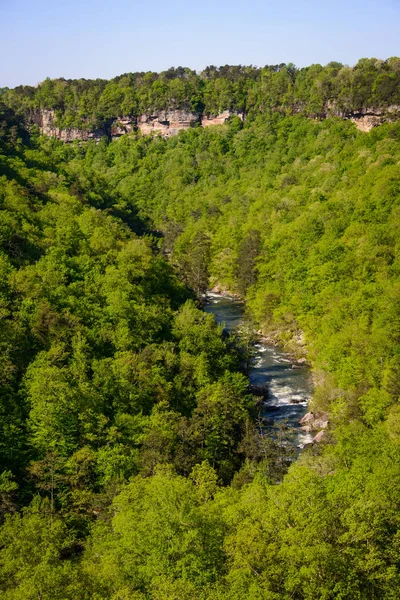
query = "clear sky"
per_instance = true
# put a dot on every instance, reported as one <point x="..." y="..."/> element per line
<point x="99" y="38"/>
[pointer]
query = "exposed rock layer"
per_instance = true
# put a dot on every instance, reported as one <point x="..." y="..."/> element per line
<point x="165" y="123"/>
<point x="46" y="121"/>
<point x="170" y="122"/>
<point x="370" y="117"/>
<point x="220" y="119"/>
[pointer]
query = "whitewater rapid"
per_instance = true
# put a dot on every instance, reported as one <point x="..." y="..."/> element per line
<point x="289" y="386"/>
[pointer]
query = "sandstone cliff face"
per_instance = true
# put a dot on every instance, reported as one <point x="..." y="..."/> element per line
<point x="367" y="118"/>
<point x="220" y="119"/>
<point x="45" y="119"/>
<point x="165" y="123"/>
<point x="169" y="123"/>
<point x="122" y="126"/>
<point x="366" y="122"/>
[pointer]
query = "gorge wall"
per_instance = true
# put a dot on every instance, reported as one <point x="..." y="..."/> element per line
<point x="167" y="123"/>
<point x="367" y="118"/>
<point x="170" y="122"/>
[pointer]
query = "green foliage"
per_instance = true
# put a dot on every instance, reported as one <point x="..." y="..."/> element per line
<point x="314" y="91"/>
<point x="131" y="466"/>
<point x="296" y="215"/>
<point x="161" y="534"/>
<point x="31" y="558"/>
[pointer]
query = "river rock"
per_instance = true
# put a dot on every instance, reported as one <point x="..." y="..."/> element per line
<point x="307" y="419"/>
<point x="320" y="424"/>
<point x="259" y="390"/>
<point x="315" y="420"/>
<point x="296" y="401"/>
<point x="319" y="437"/>
<point x="306" y="428"/>
<point x="301" y="361"/>
<point x="307" y="446"/>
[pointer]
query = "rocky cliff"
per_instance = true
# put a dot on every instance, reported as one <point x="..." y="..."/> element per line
<point x="206" y="121"/>
<point x="366" y="118"/>
<point x="166" y="123"/>
<point x="45" y="119"/>
<point x="170" y="122"/>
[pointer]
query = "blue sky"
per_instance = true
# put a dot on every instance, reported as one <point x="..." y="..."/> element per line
<point x="88" y="38"/>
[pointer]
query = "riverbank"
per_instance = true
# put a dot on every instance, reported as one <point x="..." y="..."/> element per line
<point x="295" y="345"/>
<point x="289" y="385"/>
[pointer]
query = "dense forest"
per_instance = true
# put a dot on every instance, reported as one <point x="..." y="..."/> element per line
<point x="132" y="463"/>
<point x="315" y="91"/>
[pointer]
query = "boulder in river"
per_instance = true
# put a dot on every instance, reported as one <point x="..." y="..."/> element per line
<point x="315" y="420"/>
<point x="307" y="419"/>
<point x="259" y="390"/>
<point x="320" y="423"/>
<point x="306" y="428"/>
<point x="319" y="437"/>
<point x="308" y="445"/>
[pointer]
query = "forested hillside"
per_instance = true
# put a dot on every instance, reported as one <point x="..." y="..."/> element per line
<point x="132" y="464"/>
<point x="299" y="216"/>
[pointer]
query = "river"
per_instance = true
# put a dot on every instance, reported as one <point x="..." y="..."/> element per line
<point x="289" y="388"/>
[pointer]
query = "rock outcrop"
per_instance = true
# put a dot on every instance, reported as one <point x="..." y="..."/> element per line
<point x="46" y="121"/>
<point x="366" y="118"/>
<point x="165" y="123"/>
<point x="369" y="118"/>
<point x="122" y="126"/>
<point x="220" y="119"/>
<point x="170" y="122"/>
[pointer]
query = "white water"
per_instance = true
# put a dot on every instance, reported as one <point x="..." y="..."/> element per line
<point x="289" y="389"/>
